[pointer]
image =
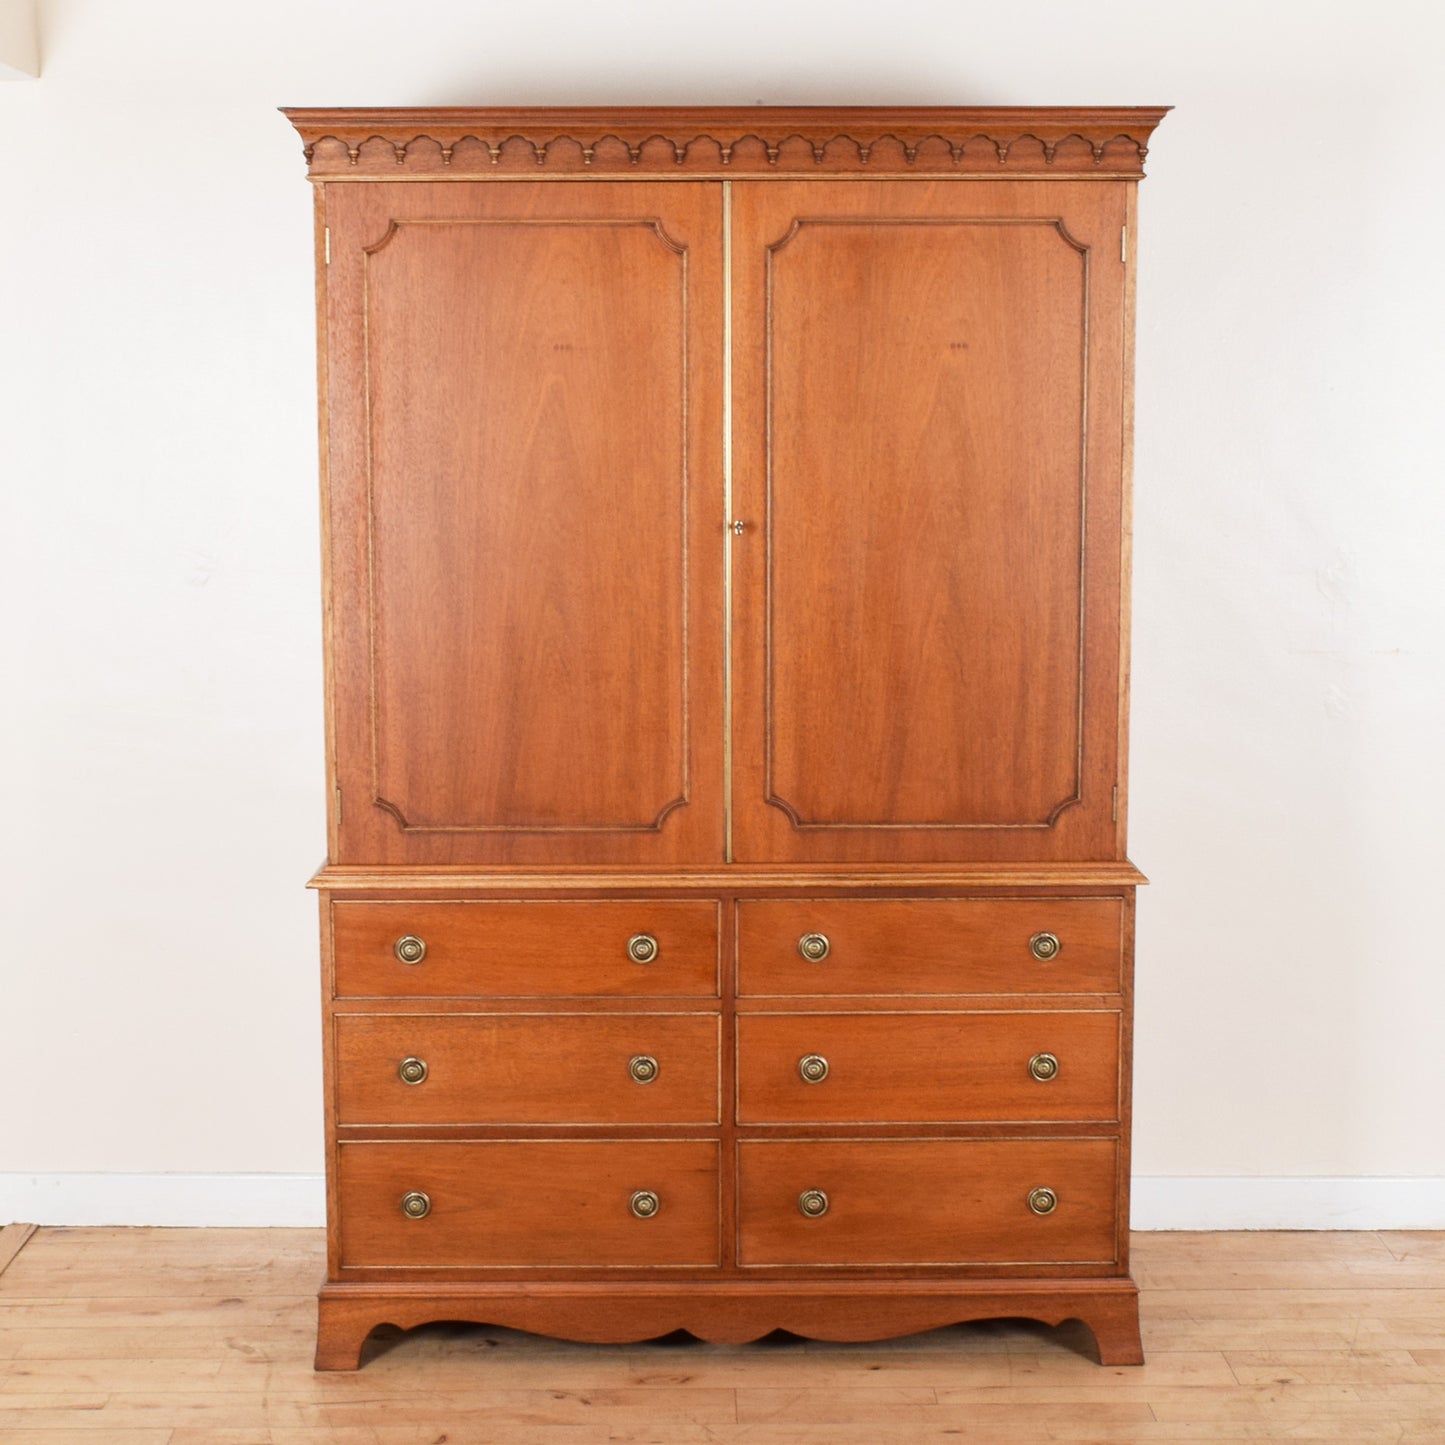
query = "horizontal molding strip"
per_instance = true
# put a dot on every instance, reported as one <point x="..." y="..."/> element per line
<point x="737" y="877"/>
<point x="299" y="1201"/>
<point x="458" y="143"/>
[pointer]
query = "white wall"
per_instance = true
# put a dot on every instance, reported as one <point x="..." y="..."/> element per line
<point x="159" y="579"/>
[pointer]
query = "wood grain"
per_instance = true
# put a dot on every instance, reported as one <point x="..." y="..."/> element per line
<point x="935" y="946"/>
<point x="13" y="1238"/>
<point x="205" y="1337"/>
<point x="922" y="1068"/>
<point x="535" y="1204"/>
<point x="925" y="644"/>
<point x="521" y="949"/>
<point x="934" y="1202"/>
<point x="527" y="1069"/>
<point x="525" y="476"/>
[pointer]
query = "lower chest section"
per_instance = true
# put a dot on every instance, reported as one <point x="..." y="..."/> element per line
<point x="732" y="1085"/>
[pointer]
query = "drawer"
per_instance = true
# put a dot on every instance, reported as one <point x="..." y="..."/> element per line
<point x="928" y="945"/>
<point x="920" y="1202"/>
<point x="928" y="1067"/>
<point x="552" y="1204"/>
<point x="517" y="950"/>
<point x="527" y="1068"/>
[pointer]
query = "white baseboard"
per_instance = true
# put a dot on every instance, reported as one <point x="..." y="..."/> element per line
<point x="1255" y="1202"/>
<point x="1159" y="1203"/>
<point x="187" y="1200"/>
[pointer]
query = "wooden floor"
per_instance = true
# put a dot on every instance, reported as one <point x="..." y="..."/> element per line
<point x="204" y="1337"/>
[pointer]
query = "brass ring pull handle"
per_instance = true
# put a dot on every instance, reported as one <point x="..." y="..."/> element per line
<point x="1044" y="1067"/>
<point x="409" y="948"/>
<point x="813" y="1203"/>
<point x="642" y="948"/>
<point x="642" y="1068"/>
<point x="814" y="947"/>
<point x="1045" y="946"/>
<point x="412" y="1071"/>
<point x="812" y="1068"/>
<point x="1043" y="1200"/>
<point x="644" y="1204"/>
<point x="416" y="1204"/>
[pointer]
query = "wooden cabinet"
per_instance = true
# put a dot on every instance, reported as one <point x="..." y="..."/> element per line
<point x="727" y="922"/>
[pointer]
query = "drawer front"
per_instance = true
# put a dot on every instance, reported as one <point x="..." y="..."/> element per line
<point x="545" y="1205"/>
<point x="519" y="950"/>
<point x="527" y="1068"/>
<point x="922" y="1202"/>
<point x="928" y="1068"/>
<point x="926" y="945"/>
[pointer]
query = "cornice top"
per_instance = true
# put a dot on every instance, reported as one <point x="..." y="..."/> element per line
<point x="443" y="143"/>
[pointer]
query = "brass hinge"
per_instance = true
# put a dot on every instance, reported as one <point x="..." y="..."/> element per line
<point x="338" y="807"/>
<point x="328" y="245"/>
<point x="1123" y="245"/>
<point x="1116" y="803"/>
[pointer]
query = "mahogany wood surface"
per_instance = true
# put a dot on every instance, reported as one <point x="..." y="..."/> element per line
<point x="530" y="1204"/>
<point x="928" y="1067"/>
<point x="686" y="141"/>
<point x="726" y="539"/>
<point x="527" y="1068"/>
<point x="933" y="946"/>
<point x="927" y="598"/>
<point x="526" y="496"/>
<point x="519" y="948"/>
<point x="934" y="1202"/>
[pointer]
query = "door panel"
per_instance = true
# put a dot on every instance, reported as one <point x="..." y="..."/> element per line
<point x="927" y="457"/>
<point x="528" y="601"/>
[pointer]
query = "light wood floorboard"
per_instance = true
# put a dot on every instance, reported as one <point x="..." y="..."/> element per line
<point x="204" y="1337"/>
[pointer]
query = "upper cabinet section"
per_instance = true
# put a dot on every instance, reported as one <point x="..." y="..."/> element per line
<point x="728" y="143"/>
<point x="712" y="486"/>
<point x="526" y="493"/>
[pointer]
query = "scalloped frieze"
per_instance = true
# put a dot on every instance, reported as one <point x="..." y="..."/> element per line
<point x="457" y="143"/>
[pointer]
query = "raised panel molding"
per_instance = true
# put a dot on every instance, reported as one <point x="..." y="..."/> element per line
<point x="652" y="226"/>
<point x="1074" y="796"/>
<point x="463" y="142"/>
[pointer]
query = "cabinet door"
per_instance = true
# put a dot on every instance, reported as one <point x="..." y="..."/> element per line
<point x="928" y="428"/>
<point x="526" y="507"/>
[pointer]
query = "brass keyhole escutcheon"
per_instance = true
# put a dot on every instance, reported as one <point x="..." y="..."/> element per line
<point x="1045" y="946"/>
<point x="642" y="1068"/>
<point x="813" y="1068"/>
<point x="1044" y="1067"/>
<point x="412" y="1071"/>
<point x="644" y="1204"/>
<point x="409" y="948"/>
<point x="416" y="1204"/>
<point x="1043" y="1200"/>
<point x="642" y="948"/>
<point x="813" y="1203"/>
<point x="814" y="947"/>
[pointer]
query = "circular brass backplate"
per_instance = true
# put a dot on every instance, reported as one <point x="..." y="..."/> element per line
<point x="1045" y="945"/>
<point x="1044" y="1067"/>
<point x="416" y="1204"/>
<point x="412" y="1071"/>
<point x="642" y="1068"/>
<point x="644" y="1204"/>
<point x="813" y="1203"/>
<point x="813" y="1068"/>
<point x="642" y="948"/>
<point x="1043" y="1200"/>
<point x="409" y="948"/>
<point x="814" y="947"/>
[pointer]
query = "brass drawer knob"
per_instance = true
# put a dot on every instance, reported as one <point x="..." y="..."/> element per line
<point x="409" y="948"/>
<point x="813" y="1203"/>
<point x="642" y="948"/>
<point x="644" y="1204"/>
<point x="643" y="1068"/>
<point x="416" y="1204"/>
<point x="412" y="1071"/>
<point x="1044" y="1067"/>
<point x="814" y="947"/>
<point x="1043" y="1200"/>
<point x="1045" y="945"/>
<point x="813" y="1068"/>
